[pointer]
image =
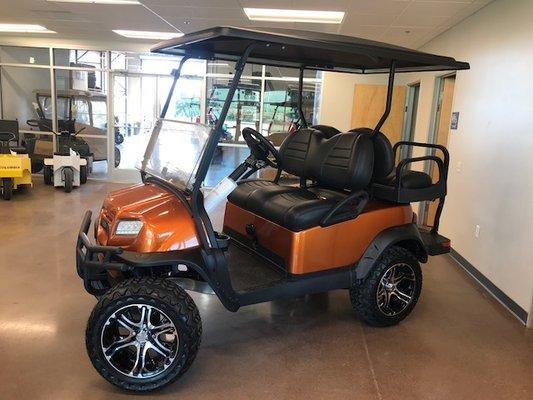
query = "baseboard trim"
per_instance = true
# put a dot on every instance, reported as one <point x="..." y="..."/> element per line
<point x="491" y="288"/>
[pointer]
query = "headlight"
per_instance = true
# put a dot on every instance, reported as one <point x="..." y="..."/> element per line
<point x="128" y="227"/>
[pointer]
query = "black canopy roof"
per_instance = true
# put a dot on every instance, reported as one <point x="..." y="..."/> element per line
<point x="312" y="50"/>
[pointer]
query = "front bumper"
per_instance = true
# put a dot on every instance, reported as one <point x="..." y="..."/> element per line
<point x="93" y="261"/>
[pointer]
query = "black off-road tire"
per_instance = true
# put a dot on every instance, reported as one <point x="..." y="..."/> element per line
<point x="363" y="294"/>
<point x="166" y="296"/>
<point x="68" y="176"/>
<point x="48" y="174"/>
<point x="83" y="174"/>
<point x="117" y="157"/>
<point x="7" y="188"/>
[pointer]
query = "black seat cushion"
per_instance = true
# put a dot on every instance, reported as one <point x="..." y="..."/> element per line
<point x="410" y="180"/>
<point x="19" y="150"/>
<point x="295" y="209"/>
<point x="246" y="188"/>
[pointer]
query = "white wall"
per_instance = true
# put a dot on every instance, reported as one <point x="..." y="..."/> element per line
<point x="337" y="97"/>
<point x="494" y="142"/>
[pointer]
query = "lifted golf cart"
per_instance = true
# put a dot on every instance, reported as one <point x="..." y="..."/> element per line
<point x="348" y="225"/>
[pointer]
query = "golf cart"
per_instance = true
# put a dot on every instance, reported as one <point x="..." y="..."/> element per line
<point x="76" y="109"/>
<point x="348" y="225"/>
<point x="66" y="168"/>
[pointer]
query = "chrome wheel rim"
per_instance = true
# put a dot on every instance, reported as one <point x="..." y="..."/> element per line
<point x="139" y="341"/>
<point x="396" y="289"/>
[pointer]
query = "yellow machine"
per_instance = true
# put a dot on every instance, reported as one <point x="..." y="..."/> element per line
<point x="15" y="166"/>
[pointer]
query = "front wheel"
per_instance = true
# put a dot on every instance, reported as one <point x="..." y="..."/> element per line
<point x="68" y="176"/>
<point x="7" y="188"/>
<point x="391" y="289"/>
<point x="143" y="334"/>
<point x="83" y="174"/>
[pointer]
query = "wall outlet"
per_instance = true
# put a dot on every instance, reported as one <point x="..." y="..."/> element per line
<point x="478" y="229"/>
<point x="459" y="166"/>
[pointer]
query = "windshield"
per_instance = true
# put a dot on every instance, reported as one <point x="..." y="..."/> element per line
<point x="174" y="151"/>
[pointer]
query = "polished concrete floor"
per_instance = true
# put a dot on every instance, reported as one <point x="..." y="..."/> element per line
<point x="457" y="344"/>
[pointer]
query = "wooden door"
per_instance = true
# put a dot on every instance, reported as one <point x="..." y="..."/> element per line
<point x="369" y="104"/>
<point x="444" y="115"/>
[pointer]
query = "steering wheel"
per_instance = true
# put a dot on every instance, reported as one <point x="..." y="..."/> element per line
<point x="7" y="137"/>
<point x="261" y="148"/>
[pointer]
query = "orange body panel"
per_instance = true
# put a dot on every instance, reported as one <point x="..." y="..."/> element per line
<point x="167" y="225"/>
<point x="317" y="248"/>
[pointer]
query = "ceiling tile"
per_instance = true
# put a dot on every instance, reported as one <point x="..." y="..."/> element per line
<point x="364" y="19"/>
<point x="435" y="8"/>
<point x="380" y="7"/>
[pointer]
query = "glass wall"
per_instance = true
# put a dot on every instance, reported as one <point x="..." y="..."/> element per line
<point x="112" y="100"/>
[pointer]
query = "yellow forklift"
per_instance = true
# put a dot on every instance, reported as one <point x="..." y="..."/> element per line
<point x="15" y="165"/>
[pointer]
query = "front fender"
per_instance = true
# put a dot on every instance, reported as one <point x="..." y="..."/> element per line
<point x="407" y="236"/>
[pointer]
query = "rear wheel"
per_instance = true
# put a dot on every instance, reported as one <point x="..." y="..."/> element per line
<point x="7" y="188"/>
<point x="36" y="165"/>
<point x="48" y="173"/>
<point x="143" y="334"/>
<point x="391" y="289"/>
<point x="68" y="176"/>
<point x="83" y="174"/>
<point x="117" y="157"/>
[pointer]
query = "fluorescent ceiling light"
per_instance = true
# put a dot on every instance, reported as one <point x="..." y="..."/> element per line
<point x="279" y="15"/>
<point x="120" y="2"/>
<point x="147" y="34"/>
<point x="24" y="28"/>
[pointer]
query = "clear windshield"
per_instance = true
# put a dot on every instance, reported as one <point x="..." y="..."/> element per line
<point x="174" y="151"/>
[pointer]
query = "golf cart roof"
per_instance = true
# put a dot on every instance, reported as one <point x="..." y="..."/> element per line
<point x="311" y="50"/>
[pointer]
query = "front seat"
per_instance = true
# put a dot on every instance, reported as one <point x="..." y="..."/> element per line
<point x="339" y="166"/>
<point x="293" y="154"/>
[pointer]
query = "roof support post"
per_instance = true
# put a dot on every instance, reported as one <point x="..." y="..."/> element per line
<point x="201" y="219"/>
<point x="300" y="97"/>
<point x="388" y="104"/>
<point x="176" y="74"/>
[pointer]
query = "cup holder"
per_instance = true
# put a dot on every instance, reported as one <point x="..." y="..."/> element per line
<point x="222" y="240"/>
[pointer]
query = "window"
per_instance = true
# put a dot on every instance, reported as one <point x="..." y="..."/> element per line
<point x="244" y="109"/>
<point x="24" y="55"/>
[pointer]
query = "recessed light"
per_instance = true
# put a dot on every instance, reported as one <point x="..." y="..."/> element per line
<point x="281" y="15"/>
<point x="147" y="34"/>
<point x="24" y="28"/>
<point x="119" y="2"/>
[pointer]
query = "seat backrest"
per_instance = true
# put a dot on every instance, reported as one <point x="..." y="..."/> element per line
<point x="342" y="162"/>
<point x="327" y="130"/>
<point x="295" y="148"/>
<point x="383" y="154"/>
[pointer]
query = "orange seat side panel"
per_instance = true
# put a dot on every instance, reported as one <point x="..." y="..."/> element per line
<point x="318" y="248"/>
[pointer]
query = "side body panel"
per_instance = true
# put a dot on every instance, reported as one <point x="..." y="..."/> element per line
<point x="167" y="225"/>
<point x="318" y="248"/>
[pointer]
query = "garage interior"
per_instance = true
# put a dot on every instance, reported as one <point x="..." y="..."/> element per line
<point x="66" y="66"/>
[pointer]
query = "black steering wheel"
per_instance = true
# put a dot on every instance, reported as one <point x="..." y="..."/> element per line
<point x="7" y="137"/>
<point x="261" y="148"/>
